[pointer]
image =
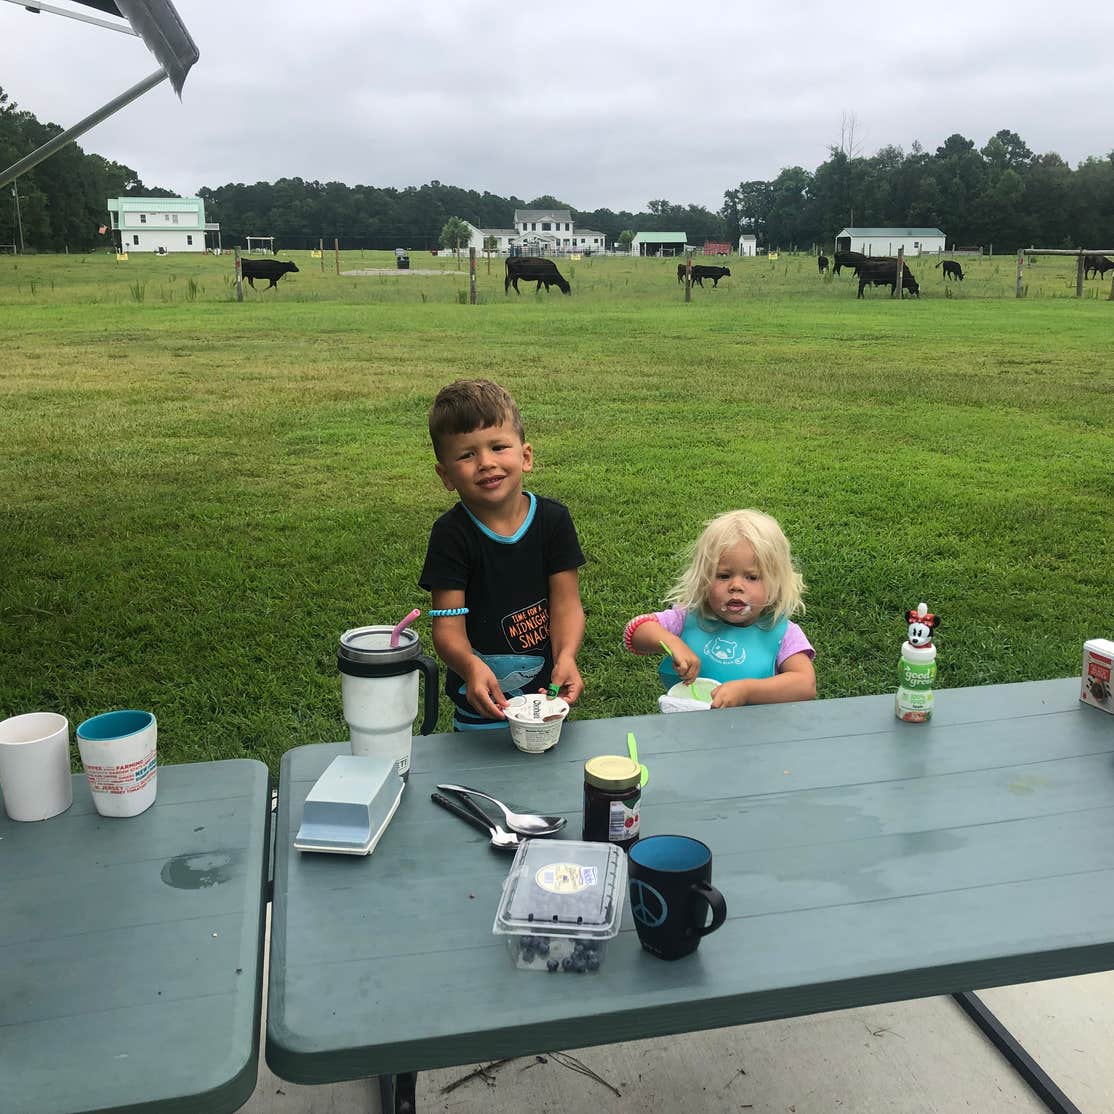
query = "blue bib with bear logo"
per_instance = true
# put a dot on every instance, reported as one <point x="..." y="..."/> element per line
<point x="726" y="652"/>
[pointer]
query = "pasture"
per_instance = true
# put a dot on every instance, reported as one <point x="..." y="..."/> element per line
<point x="201" y="495"/>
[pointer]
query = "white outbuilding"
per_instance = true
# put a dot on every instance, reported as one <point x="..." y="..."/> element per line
<point x="888" y="241"/>
<point x="748" y="244"/>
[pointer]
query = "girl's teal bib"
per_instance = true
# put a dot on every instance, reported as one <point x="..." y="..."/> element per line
<point x="726" y="652"/>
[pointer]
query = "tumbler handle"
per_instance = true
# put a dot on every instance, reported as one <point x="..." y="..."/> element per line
<point x="428" y="668"/>
<point x="715" y="902"/>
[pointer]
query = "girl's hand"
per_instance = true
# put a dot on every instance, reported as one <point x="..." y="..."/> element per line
<point x="483" y="691"/>
<point x="731" y="694"/>
<point x="685" y="663"/>
<point x="566" y="675"/>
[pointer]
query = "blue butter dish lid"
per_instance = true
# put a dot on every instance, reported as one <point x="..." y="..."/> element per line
<point x="350" y="806"/>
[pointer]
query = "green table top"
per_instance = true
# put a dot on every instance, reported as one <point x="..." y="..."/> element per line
<point x="131" y="965"/>
<point x="862" y="859"/>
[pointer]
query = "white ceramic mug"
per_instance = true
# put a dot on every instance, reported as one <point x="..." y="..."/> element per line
<point x="35" y="765"/>
<point x="120" y="760"/>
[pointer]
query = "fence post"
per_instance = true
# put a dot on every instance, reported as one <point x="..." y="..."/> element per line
<point x="901" y="271"/>
<point x="239" y="278"/>
<point x="472" y="276"/>
<point x="336" y="252"/>
<point x="1079" y="276"/>
<point x="321" y="253"/>
<point x="1020" y="268"/>
<point x="688" y="276"/>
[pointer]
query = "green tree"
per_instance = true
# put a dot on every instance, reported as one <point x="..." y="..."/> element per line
<point x="625" y="238"/>
<point x="454" y="233"/>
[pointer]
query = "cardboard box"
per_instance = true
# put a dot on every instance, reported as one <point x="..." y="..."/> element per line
<point x="1098" y="685"/>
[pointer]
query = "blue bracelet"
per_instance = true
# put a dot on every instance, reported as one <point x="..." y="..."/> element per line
<point x="437" y="612"/>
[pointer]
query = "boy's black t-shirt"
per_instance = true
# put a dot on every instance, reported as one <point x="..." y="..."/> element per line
<point x="506" y="590"/>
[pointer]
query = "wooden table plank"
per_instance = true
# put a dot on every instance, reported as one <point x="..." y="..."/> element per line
<point x="863" y="860"/>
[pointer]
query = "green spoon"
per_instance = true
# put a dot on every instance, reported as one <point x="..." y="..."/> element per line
<point x="632" y="750"/>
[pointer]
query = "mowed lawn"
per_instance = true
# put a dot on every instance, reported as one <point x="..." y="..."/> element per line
<point x="199" y="495"/>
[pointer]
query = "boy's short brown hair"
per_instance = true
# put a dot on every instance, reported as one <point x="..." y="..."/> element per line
<point x="470" y="404"/>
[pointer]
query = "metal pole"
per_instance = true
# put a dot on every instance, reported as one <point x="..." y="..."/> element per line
<point x="336" y="252"/>
<point x="1020" y="267"/>
<point x="321" y="253"/>
<point x="18" y="217"/>
<point x="1079" y="276"/>
<point x="239" y="278"/>
<point x="472" y="275"/>
<point x="901" y="271"/>
<point x="91" y="121"/>
<point x="688" y="276"/>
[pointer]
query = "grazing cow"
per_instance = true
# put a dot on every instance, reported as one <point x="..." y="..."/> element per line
<point x="681" y="268"/>
<point x="848" y="259"/>
<point x="951" y="269"/>
<point x="534" y="269"/>
<point x="884" y="273"/>
<point x="701" y="272"/>
<point x="1096" y="265"/>
<point x="821" y="263"/>
<point x="272" y="269"/>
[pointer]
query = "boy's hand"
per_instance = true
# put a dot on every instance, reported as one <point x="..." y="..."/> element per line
<point x="567" y="677"/>
<point x="484" y="693"/>
<point x="731" y="694"/>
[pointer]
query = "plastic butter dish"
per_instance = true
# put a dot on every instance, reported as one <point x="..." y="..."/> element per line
<point x="350" y="806"/>
<point x="562" y="901"/>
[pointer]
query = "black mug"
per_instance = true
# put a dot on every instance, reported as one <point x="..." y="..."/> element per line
<point x="671" y="892"/>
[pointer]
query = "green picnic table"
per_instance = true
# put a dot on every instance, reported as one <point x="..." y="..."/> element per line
<point x="131" y="950"/>
<point x="863" y="860"/>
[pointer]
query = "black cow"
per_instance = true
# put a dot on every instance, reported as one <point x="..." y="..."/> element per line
<point x="534" y="269"/>
<point x="848" y="259"/>
<point x="878" y="272"/>
<point x="1096" y="265"/>
<point x="681" y="268"/>
<point x="272" y="269"/>
<point x="821" y="263"/>
<point x="951" y="269"/>
<point x="701" y="272"/>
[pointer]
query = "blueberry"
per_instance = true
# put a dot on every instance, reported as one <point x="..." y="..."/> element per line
<point x="566" y="963"/>
<point x="528" y="955"/>
<point x="543" y="946"/>
<point x="593" y="962"/>
<point x="551" y="965"/>
<point x="579" y="966"/>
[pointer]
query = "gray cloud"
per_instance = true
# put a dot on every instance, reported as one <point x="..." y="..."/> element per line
<point x="602" y="105"/>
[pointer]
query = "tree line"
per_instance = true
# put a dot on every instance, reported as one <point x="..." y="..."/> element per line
<point x="1000" y="194"/>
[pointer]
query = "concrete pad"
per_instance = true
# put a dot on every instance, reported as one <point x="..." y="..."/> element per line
<point x="1067" y="1026"/>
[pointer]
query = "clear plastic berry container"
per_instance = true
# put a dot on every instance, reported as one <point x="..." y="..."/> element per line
<point x="562" y="901"/>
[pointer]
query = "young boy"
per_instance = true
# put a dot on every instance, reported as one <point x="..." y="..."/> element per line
<point x="507" y="556"/>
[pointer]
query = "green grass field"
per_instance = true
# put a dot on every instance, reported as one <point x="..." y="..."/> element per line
<point x="201" y="495"/>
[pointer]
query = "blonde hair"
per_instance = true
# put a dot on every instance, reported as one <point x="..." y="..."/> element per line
<point x="784" y="585"/>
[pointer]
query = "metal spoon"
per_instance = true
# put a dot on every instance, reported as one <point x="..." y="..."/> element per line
<point x="504" y="840"/>
<point x="525" y="823"/>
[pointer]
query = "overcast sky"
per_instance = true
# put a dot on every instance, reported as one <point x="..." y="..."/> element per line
<point x="604" y="105"/>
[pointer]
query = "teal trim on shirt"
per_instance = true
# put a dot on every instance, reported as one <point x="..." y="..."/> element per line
<point x="502" y="538"/>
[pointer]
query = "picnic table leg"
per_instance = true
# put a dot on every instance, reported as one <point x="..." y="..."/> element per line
<point x="1038" y="1080"/>
<point x="397" y="1093"/>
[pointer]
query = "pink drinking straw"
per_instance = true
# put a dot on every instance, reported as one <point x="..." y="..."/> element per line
<point x="397" y="632"/>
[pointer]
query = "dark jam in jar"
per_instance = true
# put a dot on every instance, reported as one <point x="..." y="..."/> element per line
<point x="612" y="797"/>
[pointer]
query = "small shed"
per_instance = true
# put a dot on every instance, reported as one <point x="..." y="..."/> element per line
<point x="659" y="243"/>
<point x="887" y="241"/>
<point x="748" y="244"/>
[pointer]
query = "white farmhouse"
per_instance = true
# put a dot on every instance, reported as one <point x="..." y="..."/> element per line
<point x="887" y="241"/>
<point x="539" y="232"/>
<point x="159" y="223"/>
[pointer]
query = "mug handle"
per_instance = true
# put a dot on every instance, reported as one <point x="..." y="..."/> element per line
<point x="428" y="669"/>
<point x="715" y="902"/>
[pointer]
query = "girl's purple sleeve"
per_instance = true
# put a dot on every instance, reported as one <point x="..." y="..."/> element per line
<point x="674" y="619"/>
<point x="794" y="642"/>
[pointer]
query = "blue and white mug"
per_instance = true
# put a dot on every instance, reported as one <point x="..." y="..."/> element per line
<point x="121" y="764"/>
<point x="671" y="894"/>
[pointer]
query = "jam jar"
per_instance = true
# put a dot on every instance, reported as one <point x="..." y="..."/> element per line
<point x="612" y="797"/>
